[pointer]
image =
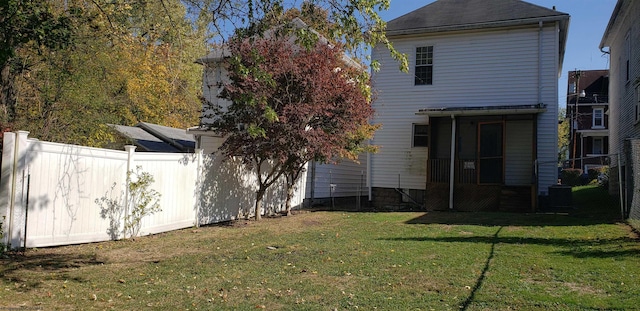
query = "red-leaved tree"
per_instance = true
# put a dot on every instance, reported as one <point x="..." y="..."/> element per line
<point x="290" y="105"/>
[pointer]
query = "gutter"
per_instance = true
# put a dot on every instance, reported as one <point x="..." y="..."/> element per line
<point x="496" y="24"/>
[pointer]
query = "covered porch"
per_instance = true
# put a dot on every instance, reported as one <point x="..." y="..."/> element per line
<point x="482" y="158"/>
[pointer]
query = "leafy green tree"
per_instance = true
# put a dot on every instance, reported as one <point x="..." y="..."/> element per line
<point x="356" y="24"/>
<point x="563" y="135"/>
<point x="23" y="23"/>
<point x="130" y="61"/>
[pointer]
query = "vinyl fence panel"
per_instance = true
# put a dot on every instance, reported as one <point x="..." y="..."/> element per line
<point x="56" y="194"/>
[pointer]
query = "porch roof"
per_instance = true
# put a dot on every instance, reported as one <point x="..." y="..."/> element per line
<point x="594" y="132"/>
<point x="484" y="110"/>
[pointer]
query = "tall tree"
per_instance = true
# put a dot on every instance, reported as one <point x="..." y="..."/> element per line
<point x="130" y="61"/>
<point x="354" y="23"/>
<point x="294" y="105"/>
<point x="25" y="22"/>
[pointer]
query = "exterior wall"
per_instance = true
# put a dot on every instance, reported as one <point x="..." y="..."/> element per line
<point x="349" y="178"/>
<point x="496" y="67"/>
<point x="214" y="75"/>
<point x="622" y="95"/>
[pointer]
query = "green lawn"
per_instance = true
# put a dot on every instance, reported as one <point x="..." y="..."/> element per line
<point x="580" y="260"/>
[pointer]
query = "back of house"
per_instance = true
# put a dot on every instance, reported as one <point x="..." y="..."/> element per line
<point x="473" y="124"/>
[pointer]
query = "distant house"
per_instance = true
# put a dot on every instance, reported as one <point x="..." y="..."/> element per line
<point x="157" y="138"/>
<point x="588" y="109"/>
<point x="473" y="125"/>
<point x="622" y="38"/>
<point x="345" y="179"/>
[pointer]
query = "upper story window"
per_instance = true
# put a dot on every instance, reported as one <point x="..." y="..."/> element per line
<point x="627" y="44"/>
<point x="420" y="135"/>
<point x="424" y="65"/>
<point x="598" y="118"/>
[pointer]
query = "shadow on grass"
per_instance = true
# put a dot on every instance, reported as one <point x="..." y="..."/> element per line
<point x="15" y="267"/>
<point x="480" y="281"/>
<point x="579" y="248"/>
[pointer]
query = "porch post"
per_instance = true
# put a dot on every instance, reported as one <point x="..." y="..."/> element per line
<point x="452" y="164"/>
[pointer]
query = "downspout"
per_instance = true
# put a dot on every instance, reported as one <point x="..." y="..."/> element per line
<point x="452" y="164"/>
<point x="539" y="62"/>
<point x="536" y="185"/>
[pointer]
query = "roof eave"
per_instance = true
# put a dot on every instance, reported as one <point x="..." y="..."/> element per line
<point x="482" y="111"/>
<point x="605" y="41"/>
<point x="495" y="24"/>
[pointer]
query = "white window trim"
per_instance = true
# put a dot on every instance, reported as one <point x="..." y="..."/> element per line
<point x="415" y="63"/>
<point x="413" y="135"/>
<point x="593" y="119"/>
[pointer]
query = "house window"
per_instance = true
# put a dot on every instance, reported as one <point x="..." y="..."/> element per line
<point x="598" y="118"/>
<point x="598" y="143"/>
<point x="420" y="135"/>
<point x="637" y="118"/>
<point x="424" y="65"/>
<point x="627" y="43"/>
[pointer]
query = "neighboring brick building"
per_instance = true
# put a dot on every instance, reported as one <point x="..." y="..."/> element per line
<point x="587" y="109"/>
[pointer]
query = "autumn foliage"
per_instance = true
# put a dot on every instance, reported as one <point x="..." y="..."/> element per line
<point x="291" y="105"/>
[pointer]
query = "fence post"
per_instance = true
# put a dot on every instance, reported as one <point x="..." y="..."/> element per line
<point x="6" y="182"/>
<point x="130" y="162"/>
<point x="199" y="178"/>
<point x="17" y="190"/>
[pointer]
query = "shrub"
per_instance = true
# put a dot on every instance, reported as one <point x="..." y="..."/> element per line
<point x="142" y="202"/>
<point x="571" y="177"/>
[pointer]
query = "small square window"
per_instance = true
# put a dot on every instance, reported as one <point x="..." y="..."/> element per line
<point x="420" y="135"/>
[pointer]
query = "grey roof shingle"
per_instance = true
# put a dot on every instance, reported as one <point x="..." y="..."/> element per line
<point x="157" y="138"/>
<point x="444" y="15"/>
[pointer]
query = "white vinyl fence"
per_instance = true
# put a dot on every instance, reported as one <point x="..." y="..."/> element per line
<point x="48" y="191"/>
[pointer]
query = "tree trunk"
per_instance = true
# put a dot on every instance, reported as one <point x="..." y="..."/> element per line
<point x="7" y="95"/>
<point x="289" y="197"/>
<point x="259" y="197"/>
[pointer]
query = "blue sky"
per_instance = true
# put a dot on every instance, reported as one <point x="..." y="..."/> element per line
<point x="589" y="19"/>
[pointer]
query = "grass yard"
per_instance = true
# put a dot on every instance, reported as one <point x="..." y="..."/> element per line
<point x="581" y="260"/>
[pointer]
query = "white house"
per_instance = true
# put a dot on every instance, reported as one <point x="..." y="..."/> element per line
<point x="345" y="180"/>
<point x="622" y="38"/>
<point x="473" y="124"/>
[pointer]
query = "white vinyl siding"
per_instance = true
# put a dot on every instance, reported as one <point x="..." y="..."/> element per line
<point x="349" y="178"/>
<point x="623" y="120"/>
<point x="492" y="68"/>
<point x="214" y="75"/>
